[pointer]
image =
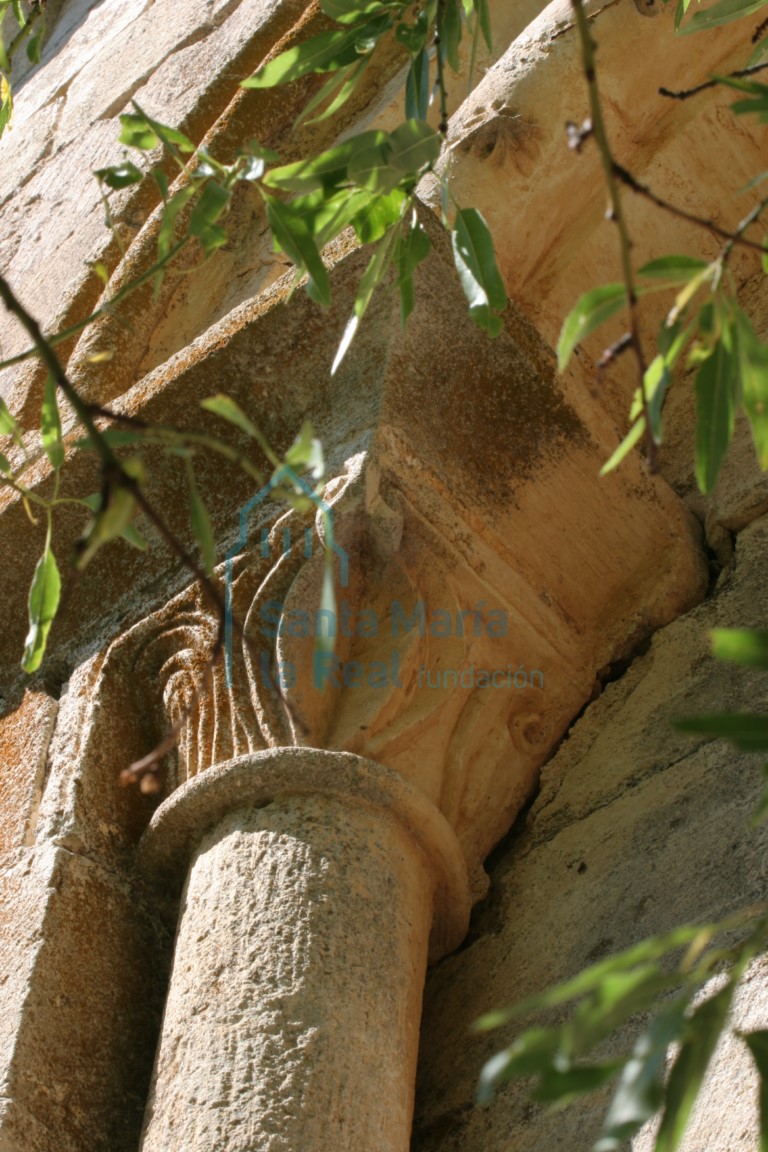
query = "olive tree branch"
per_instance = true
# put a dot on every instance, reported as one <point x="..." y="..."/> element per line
<point x="685" y="93"/>
<point x="643" y="190"/>
<point x="615" y="213"/>
<point x="58" y="337"/>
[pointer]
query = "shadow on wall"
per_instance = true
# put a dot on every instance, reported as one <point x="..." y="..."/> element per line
<point x="62" y="20"/>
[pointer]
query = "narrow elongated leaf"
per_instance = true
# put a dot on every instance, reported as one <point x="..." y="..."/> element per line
<point x="50" y="425"/>
<point x="337" y="91"/>
<point x="351" y="11"/>
<point x="589" y="312"/>
<point x="529" y="1055"/>
<point x="295" y="239"/>
<point x="715" y="413"/>
<point x="451" y="33"/>
<point x="372" y="277"/>
<point x="746" y="730"/>
<point x="44" y="595"/>
<point x="326" y="170"/>
<point x="121" y="175"/>
<point x="201" y="523"/>
<point x="306" y="452"/>
<point x="635" y="434"/>
<point x="562" y="1086"/>
<point x="324" y="53"/>
<point x="722" y="12"/>
<point x="639" y="1092"/>
<point x="688" y="1071"/>
<point x="417" y="87"/>
<point x="412" y="247"/>
<point x="673" y="269"/>
<point x="371" y="168"/>
<point x="414" y="145"/>
<point x="376" y="220"/>
<point x="758" y="1046"/>
<point x="479" y="275"/>
<point x="171" y="210"/>
<point x="8" y="425"/>
<point x="741" y="646"/>
<point x="753" y="369"/>
<point x="212" y="204"/>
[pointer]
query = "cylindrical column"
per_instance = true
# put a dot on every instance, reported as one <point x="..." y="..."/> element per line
<point x="292" y="1018"/>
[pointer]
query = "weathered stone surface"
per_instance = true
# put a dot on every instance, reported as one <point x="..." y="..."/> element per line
<point x="79" y="1006"/>
<point x="549" y="223"/>
<point x="636" y="829"/>
<point x="292" y="1017"/>
<point x="25" y="732"/>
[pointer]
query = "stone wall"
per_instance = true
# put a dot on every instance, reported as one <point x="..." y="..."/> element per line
<point x="461" y="470"/>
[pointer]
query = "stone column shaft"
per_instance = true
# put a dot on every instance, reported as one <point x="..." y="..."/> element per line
<point x="292" y="1018"/>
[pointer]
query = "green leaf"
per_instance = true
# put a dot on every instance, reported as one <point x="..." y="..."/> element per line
<point x="132" y="536"/>
<point x="639" y="1091"/>
<point x="673" y="269"/>
<point x="379" y="216"/>
<point x="121" y="175"/>
<point x="201" y="523"/>
<point x="213" y="202"/>
<point x="412" y="247"/>
<point x="5" y="64"/>
<point x="451" y="33"/>
<point x="562" y="1086"/>
<point x="722" y="12"/>
<point x="326" y="170"/>
<point x="758" y="1046"/>
<point x="590" y="311"/>
<point x="417" y="87"/>
<point x="636" y="432"/>
<point x="9" y="426"/>
<point x="479" y="275"/>
<point x="295" y="239"/>
<point x="529" y="1055"/>
<point x="337" y="90"/>
<point x="18" y="12"/>
<point x="324" y="53"/>
<point x="616" y="998"/>
<point x="370" y="168"/>
<point x="44" y="595"/>
<point x="414" y="145"/>
<point x="703" y="1031"/>
<point x="113" y="516"/>
<point x="6" y="104"/>
<point x="372" y="277"/>
<point x="136" y="132"/>
<point x="483" y="12"/>
<point x="50" y="425"/>
<point x="753" y="368"/>
<point x="171" y="210"/>
<point x="35" y="46"/>
<point x="747" y="731"/>
<point x="715" y="410"/>
<point x="306" y="452"/>
<point x="741" y="646"/>
<point x="5" y="465"/>
<point x="591" y="978"/>
<point x="351" y="11"/>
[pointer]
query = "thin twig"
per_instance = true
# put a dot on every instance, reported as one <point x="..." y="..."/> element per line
<point x="440" y="55"/>
<point x="643" y="190"/>
<point x="615" y="213"/>
<point x="713" y="83"/>
<point x="103" y="310"/>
